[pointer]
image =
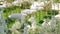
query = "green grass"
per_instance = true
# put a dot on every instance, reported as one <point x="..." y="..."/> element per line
<point x="41" y="15"/>
<point x="9" y="11"/>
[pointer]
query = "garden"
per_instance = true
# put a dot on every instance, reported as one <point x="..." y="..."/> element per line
<point x="30" y="17"/>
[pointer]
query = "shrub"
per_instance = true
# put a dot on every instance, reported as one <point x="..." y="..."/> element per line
<point x="41" y="21"/>
<point x="53" y="12"/>
<point x="49" y="17"/>
<point x="25" y="5"/>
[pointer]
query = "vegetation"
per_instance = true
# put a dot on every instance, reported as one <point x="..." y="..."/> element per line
<point x="11" y="10"/>
<point x="40" y="15"/>
<point x="25" y="5"/>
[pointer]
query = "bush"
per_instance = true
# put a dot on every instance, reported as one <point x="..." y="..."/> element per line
<point x="25" y="5"/>
<point x="41" y="21"/>
<point x="47" y="17"/>
<point x="9" y="22"/>
<point x="53" y="12"/>
<point x="57" y="1"/>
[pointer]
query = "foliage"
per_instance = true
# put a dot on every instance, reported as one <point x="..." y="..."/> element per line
<point x="10" y="1"/>
<point x="53" y="28"/>
<point x="40" y="15"/>
<point x="25" y="5"/>
<point x="53" y="12"/>
<point x="11" y="10"/>
<point x="58" y="1"/>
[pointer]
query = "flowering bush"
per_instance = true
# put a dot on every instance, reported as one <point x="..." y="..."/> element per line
<point x="51" y="27"/>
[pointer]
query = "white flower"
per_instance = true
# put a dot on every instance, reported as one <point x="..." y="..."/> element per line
<point x="29" y="27"/>
<point x="28" y="11"/>
<point x="16" y="25"/>
<point x="3" y="5"/>
<point x="40" y="8"/>
<point x="16" y="3"/>
<point x="41" y="4"/>
<point x="33" y="23"/>
<point x="37" y="6"/>
<point x="57" y="16"/>
<point x="56" y="6"/>
<point x="32" y="19"/>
